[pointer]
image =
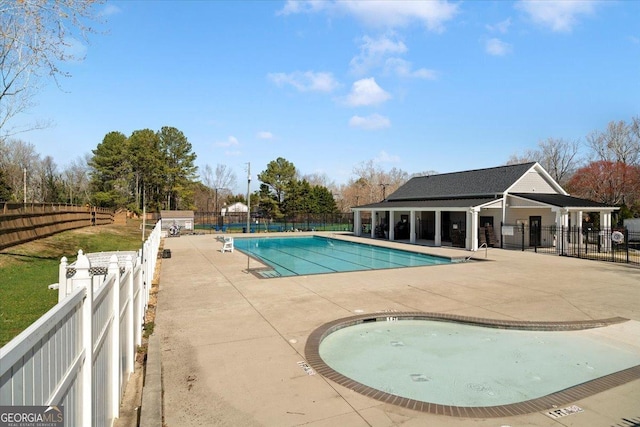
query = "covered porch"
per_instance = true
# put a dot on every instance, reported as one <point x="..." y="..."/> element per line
<point x="472" y="223"/>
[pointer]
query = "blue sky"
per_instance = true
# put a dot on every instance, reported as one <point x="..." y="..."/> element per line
<point x="419" y="86"/>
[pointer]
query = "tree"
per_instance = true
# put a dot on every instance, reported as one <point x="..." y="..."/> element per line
<point x="279" y="175"/>
<point x="557" y="156"/>
<point x="374" y="184"/>
<point x="219" y="182"/>
<point x="110" y="172"/>
<point x="18" y="156"/>
<point x="179" y="167"/>
<point x="619" y="143"/>
<point x="322" y="201"/>
<point x="75" y="178"/>
<point x="612" y="183"/>
<point x="36" y="37"/>
<point x="268" y="206"/>
<point x="5" y="189"/>
<point x="619" y="147"/>
<point x="51" y="186"/>
<point x="147" y="168"/>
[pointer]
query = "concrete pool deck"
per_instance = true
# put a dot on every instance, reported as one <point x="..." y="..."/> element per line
<point x="231" y="344"/>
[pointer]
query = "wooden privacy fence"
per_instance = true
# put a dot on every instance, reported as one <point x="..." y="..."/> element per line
<point x="80" y="354"/>
<point x="23" y="222"/>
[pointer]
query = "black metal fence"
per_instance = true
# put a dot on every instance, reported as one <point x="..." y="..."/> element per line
<point x="615" y="245"/>
<point x="209" y="222"/>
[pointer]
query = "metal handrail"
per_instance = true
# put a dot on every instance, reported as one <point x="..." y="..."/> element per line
<point x="486" y="248"/>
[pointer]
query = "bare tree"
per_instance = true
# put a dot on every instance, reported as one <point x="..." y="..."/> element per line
<point x="526" y="157"/>
<point x="36" y="36"/>
<point x="76" y="181"/>
<point x="220" y="182"/>
<point x="424" y="173"/>
<point x="558" y="156"/>
<point x="372" y="183"/>
<point x="319" y="179"/>
<point x="21" y="164"/>
<point x="620" y="142"/>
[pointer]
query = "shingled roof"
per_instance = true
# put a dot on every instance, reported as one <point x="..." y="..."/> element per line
<point x="561" y="200"/>
<point x="472" y="183"/>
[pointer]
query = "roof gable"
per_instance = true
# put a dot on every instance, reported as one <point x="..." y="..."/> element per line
<point x="473" y="183"/>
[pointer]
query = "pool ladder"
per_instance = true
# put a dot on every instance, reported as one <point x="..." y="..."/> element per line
<point x="486" y="248"/>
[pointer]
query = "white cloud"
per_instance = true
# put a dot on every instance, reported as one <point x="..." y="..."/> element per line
<point x="309" y="6"/>
<point x="373" y="52"/>
<point x="372" y="122"/>
<point x="110" y="9"/>
<point x="500" y="27"/>
<point x="232" y="153"/>
<point x="382" y="52"/>
<point x="404" y="68"/>
<point x="307" y="81"/>
<point x="231" y="141"/>
<point x="384" y="157"/>
<point x="264" y="135"/>
<point x="497" y="47"/>
<point x="559" y="15"/>
<point x="382" y="13"/>
<point x="74" y="49"/>
<point x="366" y="92"/>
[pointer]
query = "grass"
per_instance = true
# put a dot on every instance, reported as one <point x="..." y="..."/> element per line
<point x="27" y="270"/>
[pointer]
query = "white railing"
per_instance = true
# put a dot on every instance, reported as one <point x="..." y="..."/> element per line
<point x="80" y="354"/>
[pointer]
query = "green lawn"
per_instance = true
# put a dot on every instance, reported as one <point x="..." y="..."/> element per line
<point x="27" y="270"/>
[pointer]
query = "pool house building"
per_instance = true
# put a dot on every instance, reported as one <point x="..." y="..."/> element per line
<point x="483" y="206"/>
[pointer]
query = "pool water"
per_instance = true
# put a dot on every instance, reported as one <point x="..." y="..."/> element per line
<point x="293" y="256"/>
<point x="471" y="366"/>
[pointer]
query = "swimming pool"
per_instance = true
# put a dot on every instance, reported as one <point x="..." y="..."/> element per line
<point x="294" y="256"/>
<point x="450" y="364"/>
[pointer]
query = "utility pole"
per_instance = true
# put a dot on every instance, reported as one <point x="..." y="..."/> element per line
<point x="24" y="185"/>
<point x="249" y="197"/>
<point x="384" y="190"/>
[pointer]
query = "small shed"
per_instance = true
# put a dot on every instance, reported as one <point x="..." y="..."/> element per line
<point x="183" y="219"/>
<point x="234" y="213"/>
<point x="234" y="209"/>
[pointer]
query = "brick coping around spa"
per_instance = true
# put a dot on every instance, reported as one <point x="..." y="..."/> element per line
<point x="545" y="403"/>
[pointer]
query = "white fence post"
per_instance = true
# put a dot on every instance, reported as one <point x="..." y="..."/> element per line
<point x="139" y="287"/>
<point x="82" y="278"/>
<point x="130" y="348"/>
<point x="114" y="270"/>
<point x="62" y="279"/>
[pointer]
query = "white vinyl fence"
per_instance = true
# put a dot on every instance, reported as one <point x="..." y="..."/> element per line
<point x="80" y="354"/>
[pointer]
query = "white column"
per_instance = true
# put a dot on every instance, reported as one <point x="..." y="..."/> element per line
<point x="472" y="230"/>
<point x="392" y="222"/>
<point x="374" y="222"/>
<point x="438" y="232"/>
<point x="357" y="224"/>
<point x="562" y="232"/>
<point x="578" y="222"/>
<point x="605" y="231"/>
<point x="412" y="226"/>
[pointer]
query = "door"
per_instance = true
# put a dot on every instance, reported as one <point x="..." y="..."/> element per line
<point x="535" y="230"/>
<point x="485" y="231"/>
